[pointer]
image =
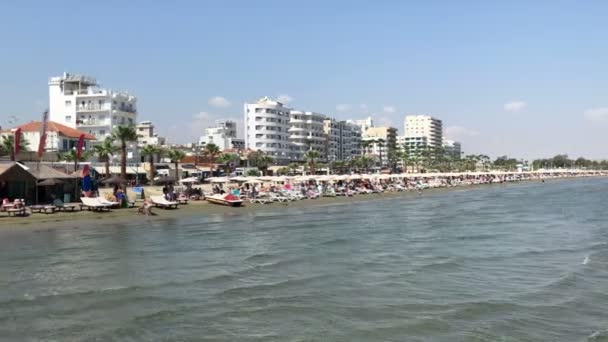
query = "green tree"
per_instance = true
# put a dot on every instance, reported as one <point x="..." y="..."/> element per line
<point x="176" y="157"/>
<point x="311" y="156"/>
<point x="211" y="151"/>
<point x="227" y="159"/>
<point x="151" y="151"/>
<point x="8" y="145"/>
<point x="261" y="160"/>
<point x="252" y="173"/>
<point x="71" y="156"/>
<point x="124" y="134"/>
<point x="105" y="151"/>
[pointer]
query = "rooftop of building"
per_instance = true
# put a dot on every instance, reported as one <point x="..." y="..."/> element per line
<point x="52" y="126"/>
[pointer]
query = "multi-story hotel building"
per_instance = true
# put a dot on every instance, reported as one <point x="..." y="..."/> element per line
<point x="306" y="133"/>
<point x="343" y="140"/>
<point x="423" y="129"/>
<point x="77" y="101"/>
<point x="267" y="129"/>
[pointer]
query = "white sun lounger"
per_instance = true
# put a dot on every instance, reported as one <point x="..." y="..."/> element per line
<point x="93" y="203"/>
<point x="161" y="202"/>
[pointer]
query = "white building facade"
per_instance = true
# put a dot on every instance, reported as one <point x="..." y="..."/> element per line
<point x="452" y="148"/>
<point x="224" y="135"/>
<point x="146" y="135"/>
<point x="267" y="129"/>
<point x="424" y="128"/>
<point x="77" y="101"/>
<point x="343" y="140"/>
<point x="306" y="133"/>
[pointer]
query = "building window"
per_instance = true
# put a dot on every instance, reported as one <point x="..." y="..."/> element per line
<point x="68" y="104"/>
<point x="68" y="118"/>
<point x="102" y="132"/>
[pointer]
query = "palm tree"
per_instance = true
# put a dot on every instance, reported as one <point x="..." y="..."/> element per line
<point x="405" y="154"/>
<point x="104" y="151"/>
<point x="311" y="155"/>
<point x="71" y="156"/>
<point x="151" y="151"/>
<point x="227" y="159"/>
<point x="124" y="134"/>
<point x="8" y="145"/>
<point x="176" y="156"/>
<point x="293" y="167"/>
<point x="366" y="144"/>
<point x="380" y="143"/>
<point x="211" y="151"/>
<point x="261" y="160"/>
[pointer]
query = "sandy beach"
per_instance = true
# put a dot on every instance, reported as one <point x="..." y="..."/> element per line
<point x="202" y="208"/>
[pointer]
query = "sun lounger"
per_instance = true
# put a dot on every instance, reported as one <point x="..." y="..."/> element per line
<point x="182" y="200"/>
<point x="69" y="207"/>
<point x="109" y="203"/>
<point x="47" y="209"/>
<point x="16" y="211"/>
<point x="161" y="202"/>
<point x="93" y="203"/>
<point x="260" y="200"/>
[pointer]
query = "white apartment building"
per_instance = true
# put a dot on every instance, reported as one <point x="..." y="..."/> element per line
<point x="224" y="135"/>
<point x="306" y="133"/>
<point x="77" y="101"/>
<point x="267" y="129"/>
<point x="146" y="135"/>
<point x="343" y="140"/>
<point x="452" y="148"/>
<point x="364" y="124"/>
<point x="381" y="140"/>
<point x="427" y="128"/>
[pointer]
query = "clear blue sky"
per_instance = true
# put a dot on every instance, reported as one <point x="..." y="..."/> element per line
<point x="523" y="78"/>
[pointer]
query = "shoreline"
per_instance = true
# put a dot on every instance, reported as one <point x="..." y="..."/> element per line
<point x="197" y="208"/>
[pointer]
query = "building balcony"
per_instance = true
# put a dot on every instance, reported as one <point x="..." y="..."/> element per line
<point x="92" y="108"/>
<point x="92" y="123"/>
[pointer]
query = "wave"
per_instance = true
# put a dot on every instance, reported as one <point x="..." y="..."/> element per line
<point x="257" y="290"/>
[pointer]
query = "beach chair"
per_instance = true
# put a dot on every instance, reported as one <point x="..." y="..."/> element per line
<point x="93" y="203"/>
<point x="16" y="211"/>
<point x="47" y="209"/>
<point x="182" y="199"/>
<point x="161" y="202"/>
<point x="102" y="200"/>
<point x="260" y="200"/>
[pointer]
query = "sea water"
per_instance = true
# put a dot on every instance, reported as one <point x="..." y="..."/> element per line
<point x="516" y="262"/>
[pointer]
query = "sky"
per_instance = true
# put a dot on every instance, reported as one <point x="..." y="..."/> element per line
<point x="525" y="79"/>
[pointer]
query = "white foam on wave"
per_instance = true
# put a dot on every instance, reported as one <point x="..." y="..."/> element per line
<point x="586" y="260"/>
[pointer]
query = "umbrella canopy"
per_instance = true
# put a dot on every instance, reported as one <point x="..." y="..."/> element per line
<point x="218" y="180"/>
<point x="189" y="180"/>
<point x="239" y="179"/>
<point x="165" y="180"/>
<point x="114" y="180"/>
<point x="50" y="182"/>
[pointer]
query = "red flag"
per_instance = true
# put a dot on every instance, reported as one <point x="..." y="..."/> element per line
<point x="41" y="144"/>
<point x="17" y="141"/>
<point x="79" y="146"/>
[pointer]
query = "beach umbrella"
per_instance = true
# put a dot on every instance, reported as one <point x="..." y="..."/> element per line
<point x="240" y="179"/>
<point x="50" y="182"/>
<point x="189" y="180"/>
<point x="114" y="180"/>
<point x="165" y="180"/>
<point x="218" y="180"/>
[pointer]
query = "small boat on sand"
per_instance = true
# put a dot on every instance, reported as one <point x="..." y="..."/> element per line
<point x="228" y="199"/>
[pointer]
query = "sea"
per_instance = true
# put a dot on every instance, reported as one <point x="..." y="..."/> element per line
<point x="511" y="262"/>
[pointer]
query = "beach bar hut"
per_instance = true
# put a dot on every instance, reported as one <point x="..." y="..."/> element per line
<point x="15" y="182"/>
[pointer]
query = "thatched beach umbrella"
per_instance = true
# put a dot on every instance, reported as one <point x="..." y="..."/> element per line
<point x="114" y="180"/>
<point x="50" y="182"/>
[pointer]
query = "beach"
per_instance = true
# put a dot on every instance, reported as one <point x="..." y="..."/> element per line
<point x="204" y="208"/>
